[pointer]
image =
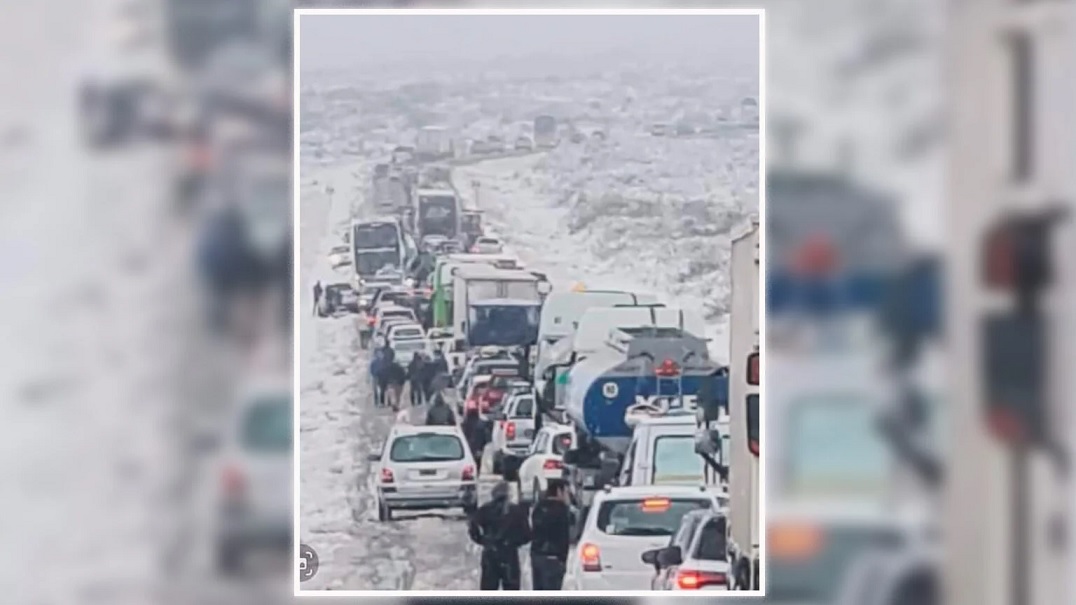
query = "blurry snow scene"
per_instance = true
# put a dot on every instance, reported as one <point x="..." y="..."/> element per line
<point x="598" y="152"/>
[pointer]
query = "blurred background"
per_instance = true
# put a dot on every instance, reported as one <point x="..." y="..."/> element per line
<point x="921" y="145"/>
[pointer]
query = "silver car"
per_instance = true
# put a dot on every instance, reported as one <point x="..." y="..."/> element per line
<point x="253" y="509"/>
<point x="422" y="468"/>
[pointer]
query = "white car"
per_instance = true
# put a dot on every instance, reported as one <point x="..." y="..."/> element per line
<point x="486" y="244"/>
<point x="384" y="313"/>
<point x="404" y="330"/>
<point x="405" y="348"/>
<point x="513" y="431"/>
<point x="544" y="460"/>
<point x="624" y="522"/>
<point x="254" y="506"/>
<point x="340" y="256"/>
<point x="696" y="557"/>
<point x="422" y="468"/>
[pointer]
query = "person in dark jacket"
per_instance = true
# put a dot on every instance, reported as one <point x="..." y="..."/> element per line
<point x="551" y="522"/>
<point x="395" y="378"/>
<point x="474" y="430"/>
<point x="440" y="413"/>
<point x="436" y="371"/>
<point x="317" y="295"/>
<point x="416" y="371"/>
<point x="377" y="370"/>
<point x="500" y="528"/>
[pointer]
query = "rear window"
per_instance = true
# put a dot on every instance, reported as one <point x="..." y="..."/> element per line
<point x="408" y="346"/>
<point x="675" y="460"/>
<point x="562" y="443"/>
<point x="711" y="546"/>
<point x="398" y="314"/>
<point x="426" y="447"/>
<point x="524" y="407"/>
<point x="267" y="425"/>
<point x="407" y="333"/>
<point x="646" y="516"/>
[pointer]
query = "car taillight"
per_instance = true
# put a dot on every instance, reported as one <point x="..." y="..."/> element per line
<point x="198" y="157"/>
<point x="552" y="465"/>
<point x="371" y="320"/>
<point x="468" y="473"/>
<point x="233" y="484"/>
<point x="471" y="404"/>
<point x="510" y="430"/>
<point x="386" y="476"/>
<point x="590" y="556"/>
<point x="691" y="579"/>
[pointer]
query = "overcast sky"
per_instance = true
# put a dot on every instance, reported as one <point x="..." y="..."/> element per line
<point x="329" y="42"/>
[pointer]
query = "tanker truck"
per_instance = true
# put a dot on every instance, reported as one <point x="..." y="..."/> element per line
<point x="657" y="364"/>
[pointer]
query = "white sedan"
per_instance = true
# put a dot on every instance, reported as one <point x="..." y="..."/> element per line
<point x="544" y="461"/>
<point x="487" y="245"/>
<point x="623" y="523"/>
<point x="339" y="256"/>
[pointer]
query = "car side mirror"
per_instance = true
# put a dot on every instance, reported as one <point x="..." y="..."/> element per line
<point x="670" y="556"/>
<point x="374" y="457"/>
<point x="650" y="557"/>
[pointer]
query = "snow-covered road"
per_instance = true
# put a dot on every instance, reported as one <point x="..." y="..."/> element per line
<point x="338" y="428"/>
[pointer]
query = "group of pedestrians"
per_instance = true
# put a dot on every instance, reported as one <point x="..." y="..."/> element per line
<point x="425" y="375"/>
<point x="501" y="528"/>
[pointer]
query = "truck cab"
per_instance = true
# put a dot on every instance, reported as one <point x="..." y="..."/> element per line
<point x="662" y="452"/>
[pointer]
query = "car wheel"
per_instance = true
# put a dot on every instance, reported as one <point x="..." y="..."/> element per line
<point x="229" y="559"/>
<point x="497" y="463"/>
<point x="384" y="512"/>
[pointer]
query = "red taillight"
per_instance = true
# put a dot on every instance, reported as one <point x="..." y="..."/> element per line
<point x="552" y="465"/>
<point x="752" y="369"/>
<point x="232" y="482"/>
<point x="471" y="404"/>
<point x="510" y="430"/>
<point x="590" y="557"/>
<point x="371" y="321"/>
<point x="667" y="368"/>
<point x="468" y="473"/>
<point x="386" y="476"/>
<point x="690" y="579"/>
<point x="752" y="446"/>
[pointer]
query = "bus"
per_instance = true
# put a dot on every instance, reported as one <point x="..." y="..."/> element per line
<point x="378" y="243"/>
<point x="437" y="212"/>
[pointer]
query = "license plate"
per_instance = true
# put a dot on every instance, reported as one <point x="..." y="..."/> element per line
<point x="426" y="473"/>
<point x="528" y="433"/>
<point x="588" y="481"/>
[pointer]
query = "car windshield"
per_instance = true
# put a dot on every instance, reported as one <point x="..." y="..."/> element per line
<point x="371" y="262"/>
<point x="426" y="447"/>
<point x="675" y="460"/>
<point x="266" y="427"/>
<point x="646" y="516"/>
<point x="833" y="447"/>
<point x="711" y="544"/>
<point x="524" y="407"/>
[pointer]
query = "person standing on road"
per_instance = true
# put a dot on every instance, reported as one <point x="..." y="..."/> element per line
<point x="474" y="430"/>
<point x="551" y="522"/>
<point x="395" y="379"/>
<point x="437" y="373"/>
<point x="500" y="528"/>
<point x="317" y="295"/>
<point x="416" y="371"/>
<point x="440" y="413"/>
